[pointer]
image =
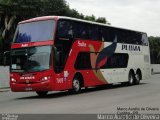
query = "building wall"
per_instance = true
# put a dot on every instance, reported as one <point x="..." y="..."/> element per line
<point x="4" y="77"/>
<point x="155" y="68"/>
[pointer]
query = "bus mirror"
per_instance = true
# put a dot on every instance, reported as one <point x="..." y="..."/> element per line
<point x="6" y="58"/>
<point x="56" y="55"/>
<point x="70" y="36"/>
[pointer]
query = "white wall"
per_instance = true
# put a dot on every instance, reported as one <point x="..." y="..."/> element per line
<point x="155" y="68"/>
<point x="4" y="77"/>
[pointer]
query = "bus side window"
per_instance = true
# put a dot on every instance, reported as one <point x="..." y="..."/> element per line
<point x="83" y="61"/>
<point x="108" y="34"/>
<point x="144" y="39"/>
<point x="81" y="30"/>
<point x="118" y="60"/>
<point x="94" y="32"/>
<point x="65" y="30"/>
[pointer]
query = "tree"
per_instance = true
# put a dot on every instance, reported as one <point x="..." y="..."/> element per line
<point x="13" y="11"/>
<point x="90" y="18"/>
<point x="102" y="20"/>
<point x="155" y="49"/>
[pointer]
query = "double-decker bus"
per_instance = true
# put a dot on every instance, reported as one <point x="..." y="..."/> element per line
<point x="55" y="53"/>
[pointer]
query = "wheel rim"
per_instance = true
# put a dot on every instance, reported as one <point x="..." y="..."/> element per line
<point x="137" y="77"/>
<point x="131" y="79"/>
<point x="76" y="85"/>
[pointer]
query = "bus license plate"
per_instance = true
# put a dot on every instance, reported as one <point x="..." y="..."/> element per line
<point x="28" y="89"/>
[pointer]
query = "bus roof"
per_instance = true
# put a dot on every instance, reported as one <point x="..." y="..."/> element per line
<point x="75" y="19"/>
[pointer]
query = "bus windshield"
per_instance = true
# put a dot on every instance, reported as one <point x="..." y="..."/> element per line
<point x="35" y="31"/>
<point x="31" y="59"/>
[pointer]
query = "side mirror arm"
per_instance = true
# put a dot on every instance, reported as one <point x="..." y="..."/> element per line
<point x="5" y="57"/>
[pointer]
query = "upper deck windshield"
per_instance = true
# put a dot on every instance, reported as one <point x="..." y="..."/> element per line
<point x="35" y="31"/>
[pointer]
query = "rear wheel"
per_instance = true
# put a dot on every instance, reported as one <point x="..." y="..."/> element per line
<point x="42" y="94"/>
<point x="131" y="78"/>
<point x="138" y="78"/>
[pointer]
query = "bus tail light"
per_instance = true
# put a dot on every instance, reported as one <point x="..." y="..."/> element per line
<point x="45" y="78"/>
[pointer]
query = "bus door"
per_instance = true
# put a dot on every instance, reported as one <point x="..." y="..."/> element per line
<point x="59" y="64"/>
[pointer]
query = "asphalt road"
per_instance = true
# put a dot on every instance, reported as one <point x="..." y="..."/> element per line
<point x="142" y="98"/>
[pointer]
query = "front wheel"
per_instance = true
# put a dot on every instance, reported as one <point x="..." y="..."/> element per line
<point x="42" y="94"/>
<point x="76" y="85"/>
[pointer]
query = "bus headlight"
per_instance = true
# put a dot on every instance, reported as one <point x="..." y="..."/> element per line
<point x="13" y="80"/>
<point x="45" y="78"/>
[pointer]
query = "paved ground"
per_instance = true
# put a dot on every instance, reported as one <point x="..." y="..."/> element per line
<point x="95" y="100"/>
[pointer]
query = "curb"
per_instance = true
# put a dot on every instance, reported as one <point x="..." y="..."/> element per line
<point x="4" y="89"/>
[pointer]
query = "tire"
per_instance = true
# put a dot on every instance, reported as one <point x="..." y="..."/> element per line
<point x="76" y="85"/>
<point x="137" y="79"/>
<point x="42" y="94"/>
<point x="131" y="78"/>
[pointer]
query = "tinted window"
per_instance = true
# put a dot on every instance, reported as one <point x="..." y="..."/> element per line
<point x="81" y="30"/>
<point x="94" y="32"/>
<point x="35" y="31"/>
<point x="118" y="60"/>
<point x="108" y="34"/>
<point x="129" y="37"/>
<point x="65" y="29"/>
<point x="83" y="61"/>
<point x="144" y="39"/>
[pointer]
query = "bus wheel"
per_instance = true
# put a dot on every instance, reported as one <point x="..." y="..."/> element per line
<point x="42" y="94"/>
<point x="131" y="78"/>
<point x="76" y="85"/>
<point x="138" y="78"/>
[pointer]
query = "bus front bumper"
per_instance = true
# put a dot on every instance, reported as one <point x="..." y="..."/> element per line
<point x="43" y="86"/>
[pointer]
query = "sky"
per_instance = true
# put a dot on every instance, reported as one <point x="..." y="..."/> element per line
<point x="140" y="15"/>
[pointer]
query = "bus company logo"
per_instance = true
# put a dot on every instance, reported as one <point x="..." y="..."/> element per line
<point x="131" y="47"/>
<point x="106" y="53"/>
<point x="27" y="78"/>
<point x="82" y="44"/>
<point x="24" y="45"/>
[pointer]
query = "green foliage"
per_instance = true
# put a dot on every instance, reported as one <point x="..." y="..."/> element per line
<point x="25" y="9"/>
<point x="155" y="49"/>
<point x="34" y="8"/>
<point x="102" y="20"/>
<point x="90" y="18"/>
